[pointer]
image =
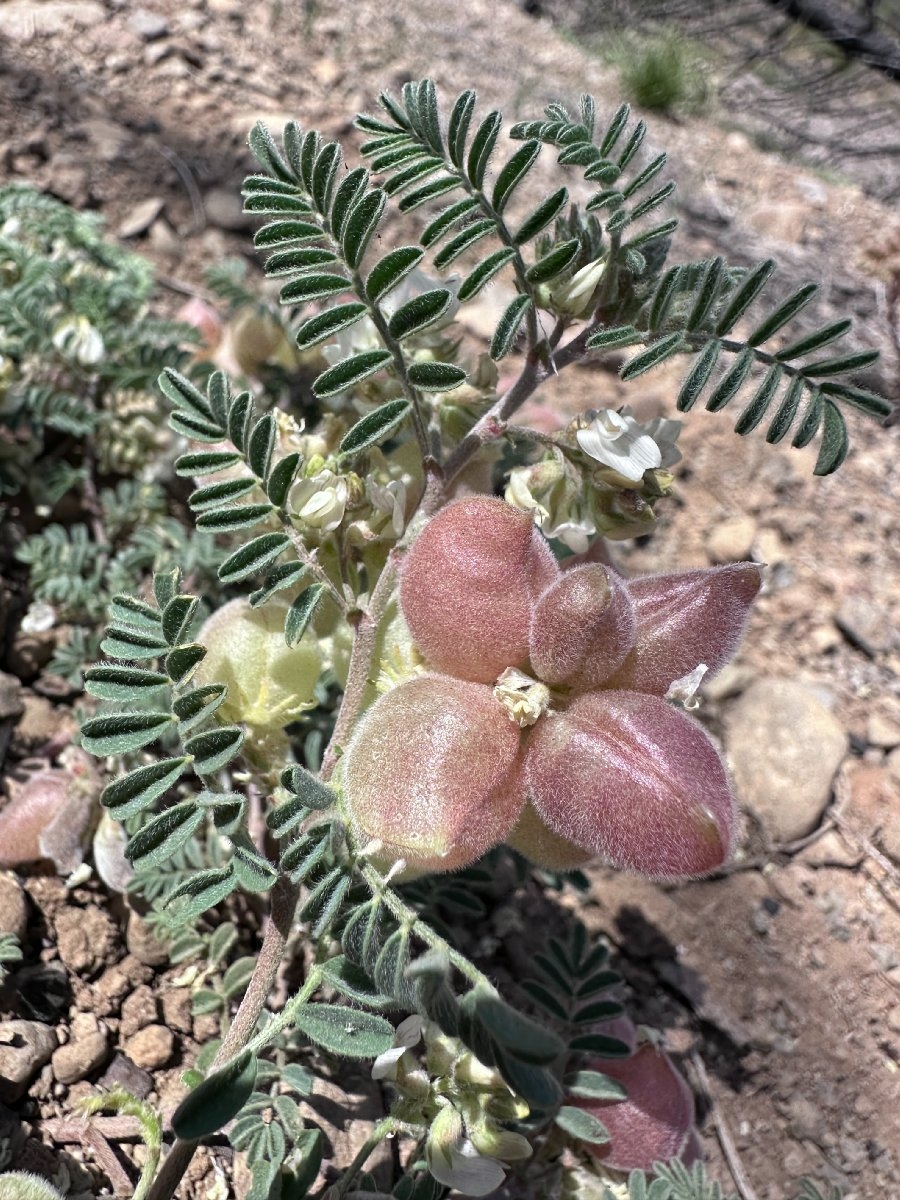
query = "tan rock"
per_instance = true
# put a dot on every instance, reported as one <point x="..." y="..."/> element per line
<point x="784" y="748"/>
<point x="151" y="1048"/>
<point x="83" y="1053"/>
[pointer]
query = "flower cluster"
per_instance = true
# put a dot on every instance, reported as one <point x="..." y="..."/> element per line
<point x="542" y="719"/>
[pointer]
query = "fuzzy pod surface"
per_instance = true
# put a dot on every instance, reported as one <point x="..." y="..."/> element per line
<point x="469" y="586"/>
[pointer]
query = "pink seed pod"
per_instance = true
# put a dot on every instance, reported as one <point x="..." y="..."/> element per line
<point x="630" y="778"/>
<point x="432" y="773"/>
<point x="541" y="846"/>
<point x="582" y="629"/>
<point x="655" y="1123"/>
<point x="469" y="586"/>
<point x="684" y="619"/>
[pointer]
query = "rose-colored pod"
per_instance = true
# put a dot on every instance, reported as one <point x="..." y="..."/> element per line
<point x="582" y="629"/>
<point x="655" y="1123"/>
<point x="684" y="619"/>
<point x="469" y="585"/>
<point x="629" y="777"/>
<point x="432" y="772"/>
<point x="541" y="846"/>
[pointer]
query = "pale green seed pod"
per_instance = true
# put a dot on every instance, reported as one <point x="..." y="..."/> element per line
<point x="22" y="1185"/>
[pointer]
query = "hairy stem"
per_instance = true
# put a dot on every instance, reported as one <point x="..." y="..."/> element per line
<point x="382" y="1130"/>
<point x="284" y="903"/>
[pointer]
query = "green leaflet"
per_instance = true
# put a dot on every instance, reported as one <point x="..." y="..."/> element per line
<point x="216" y="1100"/>
<point x="345" y="1031"/>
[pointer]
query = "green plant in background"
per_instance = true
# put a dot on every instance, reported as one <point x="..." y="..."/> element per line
<point x="664" y="72"/>
<point x="475" y="683"/>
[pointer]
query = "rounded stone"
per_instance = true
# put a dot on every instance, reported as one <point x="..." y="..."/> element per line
<point x="784" y="748"/>
<point x="84" y="1052"/>
<point x="13" y="906"/>
<point x="151" y="1047"/>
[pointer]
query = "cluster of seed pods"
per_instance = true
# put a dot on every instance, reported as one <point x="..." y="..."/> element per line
<point x="542" y="719"/>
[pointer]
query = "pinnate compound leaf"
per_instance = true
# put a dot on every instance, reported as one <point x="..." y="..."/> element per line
<point x="182" y="393"/>
<point x="193" y="708"/>
<point x="123" y="642"/>
<point x="253" y="872"/>
<point x="785" y="312"/>
<point x="579" y="1123"/>
<point x="508" y="327"/>
<point x="485" y="272"/>
<point x="253" y="557"/>
<point x="281" y="477"/>
<point x="657" y="352"/>
<point x="282" y="233"/>
<point x="201" y="892"/>
<point x="119" y="733"/>
<point x="108" y="682"/>
<point x="419" y="313"/>
<point x="345" y="1031"/>
<point x="362" y="221"/>
<point x="265" y="151"/>
<point x="547" y="211"/>
<point x="241" y="516"/>
<point x="283" y="575"/>
<point x="329" y="323"/>
<point x="388" y="271"/>
<point x="554" y="262"/>
<point x="352" y="981"/>
<point x="177" y="617"/>
<point x="512" y="174"/>
<point x="217" y="1099"/>
<point x="313" y="287"/>
<point x="183" y="660"/>
<point x="865" y="401"/>
<point x="835" y="442"/>
<point x="351" y="371"/>
<point x="165" y="834"/>
<point x="131" y="793"/>
<point x="376" y="427"/>
<point x="206" y="462"/>
<point x="436" y="376"/>
<point x="214" y="495"/>
<point x="300" y="613"/>
<point x="213" y="749"/>
<point x="313" y="793"/>
<point x="592" y="1085"/>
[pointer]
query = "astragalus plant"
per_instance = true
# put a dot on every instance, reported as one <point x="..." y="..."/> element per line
<point x="430" y="655"/>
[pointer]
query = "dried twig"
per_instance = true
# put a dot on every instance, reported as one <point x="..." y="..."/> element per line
<point x="729" y="1150"/>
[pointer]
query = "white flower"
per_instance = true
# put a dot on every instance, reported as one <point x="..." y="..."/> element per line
<point x="576" y="295"/>
<point x="682" y="691"/>
<point x="320" y="501"/>
<point x="79" y="340"/>
<point x="525" y="699"/>
<point x="389" y="498"/>
<point x="665" y="433"/>
<point x="574" y="534"/>
<point x="40" y="617"/>
<point x="453" y="1160"/>
<point x="619" y="441"/>
<point x="407" y="1035"/>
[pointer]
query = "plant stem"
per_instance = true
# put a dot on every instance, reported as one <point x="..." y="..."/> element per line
<point x="359" y="673"/>
<point x="284" y="904"/>
<point x="382" y="1130"/>
<point x="410" y="918"/>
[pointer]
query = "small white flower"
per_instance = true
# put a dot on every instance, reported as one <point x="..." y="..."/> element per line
<point x="40" y="617"/>
<point x="620" y="442"/>
<point x="407" y="1035"/>
<point x="665" y="433"/>
<point x="320" y="501"/>
<point x="525" y="699"/>
<point x="78" y="339"/>
<point x="453" y="1160"/>
<point x="389" y="498"/>
<point x="683" y="691"/>
<point x="574" y="534"/>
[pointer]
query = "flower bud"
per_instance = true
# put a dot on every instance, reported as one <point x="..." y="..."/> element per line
<point x="575" y="297"/>
<point x="582" y="629"/>
<point x="684" y="619"/>
<point x="432" y="773"/>
<point x="469" y="586"/>
<point x="655" y="1123"/>
<point x="629" y="777"/>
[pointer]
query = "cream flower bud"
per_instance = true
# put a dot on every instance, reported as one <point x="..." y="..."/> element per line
<point x="78" y="339"/>
<point x="320" y="501"/>
<point x="576" y="296"/>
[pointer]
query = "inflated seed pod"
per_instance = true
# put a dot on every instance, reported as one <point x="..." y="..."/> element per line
<point x="684" y="619"/>
<point x="655" y="1122"/>
<point x="432" y="772"/>
<point x="469" y="586"/>
<point x="23" y="1185"/>
<point x="541" y="846"/>
<point x="582" y="629"/>
<point x="631" y="778"/>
